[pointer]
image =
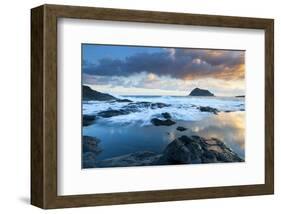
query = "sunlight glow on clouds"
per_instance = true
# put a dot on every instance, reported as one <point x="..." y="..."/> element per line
<point x="173" y="71"/>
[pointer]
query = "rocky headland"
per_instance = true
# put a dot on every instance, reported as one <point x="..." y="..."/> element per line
<point x="90" y="94"/>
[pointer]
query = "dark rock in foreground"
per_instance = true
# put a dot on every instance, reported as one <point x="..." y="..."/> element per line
<point x="88" y="120"/>
<point x="143" y="158"/>
<point x="90" y="151"/>
<point x="166" y="115"/>
<point x="90" y="94"/>
<point x="208" y="109"/>
<point x="112" y="113"/>
<point x="158" y="122"/>
<point x="181" y="129"/>
<point x="183" y="150"/>
<point x="90" y="144"/>
<point x="195" y="149"/>
<point x="200" y="92"/>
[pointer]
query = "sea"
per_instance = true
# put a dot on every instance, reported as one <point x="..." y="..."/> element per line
<point x="125" y="134"/>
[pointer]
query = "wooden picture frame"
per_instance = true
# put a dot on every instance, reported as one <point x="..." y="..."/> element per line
<point x="44" y="106"/>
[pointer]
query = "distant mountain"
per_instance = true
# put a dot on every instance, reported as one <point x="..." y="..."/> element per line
<point x="90" y="94"/>
<point x="200" y="92"/>
<point x="240" y="96"/>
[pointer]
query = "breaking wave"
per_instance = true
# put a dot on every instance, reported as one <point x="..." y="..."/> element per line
<point x="180" y="108"/>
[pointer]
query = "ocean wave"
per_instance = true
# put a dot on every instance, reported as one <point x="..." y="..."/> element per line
<point x="180" y="108"/>
<point x="144" y="117"/>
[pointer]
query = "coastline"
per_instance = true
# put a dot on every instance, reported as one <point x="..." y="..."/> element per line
<point x="161" y="130"/>
<point x="116" y="140"/>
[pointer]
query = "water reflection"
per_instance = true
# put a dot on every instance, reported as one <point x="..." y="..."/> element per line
<point x="119" y="140"/>
<point x="228" y="127"/>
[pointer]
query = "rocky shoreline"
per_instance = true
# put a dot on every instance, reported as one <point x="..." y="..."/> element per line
<point x="183" y="150"/>
<point x="165" y="119"/>
<point x="128" y="107"/>
<point x="90" y="150"/>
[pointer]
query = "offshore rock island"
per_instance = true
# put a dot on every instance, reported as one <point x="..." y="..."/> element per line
<point x="200" y="92"/>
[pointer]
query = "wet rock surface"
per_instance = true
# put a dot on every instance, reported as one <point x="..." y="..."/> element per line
<point x="90" y="150"/>
<point x="166" y="122"/>
<point x="131" y="107"/>
<point x="88" y="120"/>
<point x="142" y="158"/>
<point x="166" y="115"/>
<point x="159" y="105"/>
<point x="124" y="101"/>
<point x="208" y="109"/>
<point x="112" y="113"/>
<point x="137" y="105"/>
<point x="181" y="129"/>
<point x="195" y="149"/>
<point x="183" y="150"/>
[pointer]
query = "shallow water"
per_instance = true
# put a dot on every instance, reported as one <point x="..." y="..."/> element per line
<point x="124" y="138"/>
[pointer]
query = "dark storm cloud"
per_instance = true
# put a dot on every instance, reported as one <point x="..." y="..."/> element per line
<point x="178" y="63"/>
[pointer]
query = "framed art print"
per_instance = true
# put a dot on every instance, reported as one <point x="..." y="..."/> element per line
<point x="140" y="106"/>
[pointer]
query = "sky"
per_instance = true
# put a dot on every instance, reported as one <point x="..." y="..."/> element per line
<point x="139" y="70"/>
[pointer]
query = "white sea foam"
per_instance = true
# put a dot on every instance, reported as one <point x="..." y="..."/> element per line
<point x="93" y="107"/>
<point x="181" y="108"/>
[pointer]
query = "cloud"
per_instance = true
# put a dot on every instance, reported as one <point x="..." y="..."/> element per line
<point x="143" y="83"/>
<point x="188" y="64"/>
